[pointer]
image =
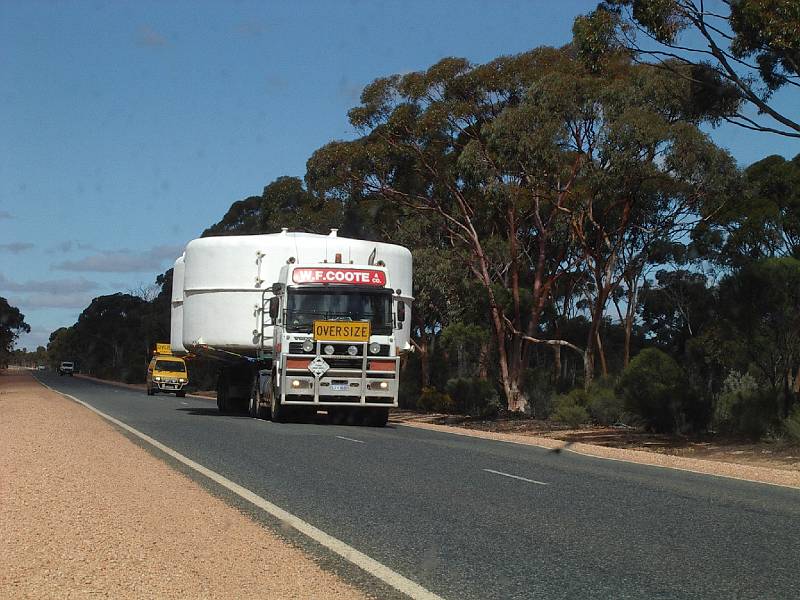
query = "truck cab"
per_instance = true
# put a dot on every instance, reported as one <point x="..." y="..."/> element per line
<point x="333" y="328"/>
<point x="166" y="373"/>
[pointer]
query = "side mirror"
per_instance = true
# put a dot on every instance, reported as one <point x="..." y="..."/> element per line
<point x="274" y="307"/>
<point x="277" y="288"/>
<point x="401" y="312"/>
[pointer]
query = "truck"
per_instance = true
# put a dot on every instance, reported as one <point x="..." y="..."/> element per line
<point x="298" y="323"/>
<point x="166" y="372"/>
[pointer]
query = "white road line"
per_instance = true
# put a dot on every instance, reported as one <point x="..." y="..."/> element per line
<point x="516" y="477"/>
<point x="185" y="403"/>
<point x="361" y="560"/>
<point x="341" y="437"/>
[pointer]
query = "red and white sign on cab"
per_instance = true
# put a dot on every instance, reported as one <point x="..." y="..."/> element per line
<point x="339" y="275"/>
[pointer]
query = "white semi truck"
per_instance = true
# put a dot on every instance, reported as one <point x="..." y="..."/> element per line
<point x="298" y="322"/>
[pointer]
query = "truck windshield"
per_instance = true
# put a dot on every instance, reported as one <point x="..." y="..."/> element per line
<point x="170" y="365"/>
<point x="306" y="306"/>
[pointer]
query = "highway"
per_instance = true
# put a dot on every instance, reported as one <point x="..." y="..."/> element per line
<point x="480" y="519"/>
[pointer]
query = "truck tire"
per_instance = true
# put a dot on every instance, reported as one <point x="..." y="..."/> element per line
<point x="181" y="394"/>
<point x="253" y="407"/>
<point x="377" y="417"/>
<point x="278" y="412"/>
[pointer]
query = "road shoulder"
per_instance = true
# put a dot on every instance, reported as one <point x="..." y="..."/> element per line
<point x="86" y="512"/>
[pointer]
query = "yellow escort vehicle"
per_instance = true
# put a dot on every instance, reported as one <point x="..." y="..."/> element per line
<point x="166" y="373"/>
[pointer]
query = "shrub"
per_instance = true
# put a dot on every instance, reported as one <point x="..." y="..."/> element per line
<point x="744" y="408"/>
<point x="432" y="400"/>
<point x="473" y="396"/>
<point x="653" y="388"/>
<point x="792" y="425"/>
<point x="570" y="409"/>
<point x="604" y="405"/>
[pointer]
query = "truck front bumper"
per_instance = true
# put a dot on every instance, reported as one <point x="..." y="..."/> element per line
<point x="341" y="387"/>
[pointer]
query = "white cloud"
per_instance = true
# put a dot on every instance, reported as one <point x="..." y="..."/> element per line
<point x="78" y="300"/>
<point x="123" y="261"/>
<point x="70" y="245"/>
<point x="16" y="247"/>
<point x="54" y="286"/>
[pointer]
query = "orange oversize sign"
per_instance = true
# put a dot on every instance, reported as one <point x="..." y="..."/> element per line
<point x="341" y="331"/>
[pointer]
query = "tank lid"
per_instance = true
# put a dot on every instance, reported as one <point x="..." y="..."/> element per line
<point x="333" y="232"/>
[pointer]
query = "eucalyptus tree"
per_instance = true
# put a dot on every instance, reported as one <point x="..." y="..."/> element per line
<point x="737" y="52"/>
<point x="439" y="142"/>
<point x="12" y="323"/>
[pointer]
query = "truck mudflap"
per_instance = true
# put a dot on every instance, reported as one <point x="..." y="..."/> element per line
<point x="339" y="380"/>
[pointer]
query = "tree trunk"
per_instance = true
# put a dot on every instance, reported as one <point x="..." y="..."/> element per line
<point x="425" y="362"/>
<point x="603" y="364"/>
<point x="556" y="364"/>
<point x="483" y="361"/>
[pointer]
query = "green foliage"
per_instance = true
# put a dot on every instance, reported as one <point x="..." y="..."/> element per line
<point x="473" y="396"/>
<point x="540" y="391"/>
<point x="605" y="407"/>
<point x="12" y="323"/>
<point x="653" y="388"/>
<point x="744" y="408"/>
<point x="597" y="403"/>
<point x="570" y="409"/>
<point x="432" y="400"/>
<point x="745" y="50"/>
<point x="464" y="344"/>
<point x="791" y="425"/>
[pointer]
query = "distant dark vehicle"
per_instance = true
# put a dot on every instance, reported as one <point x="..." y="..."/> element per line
<point x="66" y="368"/>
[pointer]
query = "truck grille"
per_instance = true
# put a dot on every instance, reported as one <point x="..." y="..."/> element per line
<point x="339" y="348"/>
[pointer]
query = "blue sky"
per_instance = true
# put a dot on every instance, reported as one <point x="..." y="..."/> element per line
<point x="128" y="128"/>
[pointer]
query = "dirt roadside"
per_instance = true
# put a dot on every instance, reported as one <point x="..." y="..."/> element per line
<point x="85" y="513"/>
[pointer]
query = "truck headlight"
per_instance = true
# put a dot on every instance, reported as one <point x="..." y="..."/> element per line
<point x="352" y="350"/>
<point x="328" y="349"/>
<point x="296" y="383"/>
<point x="157" y="378"/>
<point x="384" y="385"/>
<point x="374" y="348"/>
<point x="182" y="380"/>
<point x="308" y="346"/>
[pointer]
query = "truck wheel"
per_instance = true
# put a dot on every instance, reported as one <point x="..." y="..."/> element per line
<point x="377" y="417"/>
<point x="181" y="394"/>
<point x="279" y="413"/>
<point x="253" y="407"/>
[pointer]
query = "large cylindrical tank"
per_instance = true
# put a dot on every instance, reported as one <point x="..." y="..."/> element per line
<point x="226" y="279"/>
<point x="176" y="321"/>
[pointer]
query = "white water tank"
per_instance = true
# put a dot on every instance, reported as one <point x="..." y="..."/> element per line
<point x="225" y="278"/>
<point x="176" y="321"/>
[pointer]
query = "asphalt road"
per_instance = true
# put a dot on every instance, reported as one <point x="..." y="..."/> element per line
<point x="480" y="519"/>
